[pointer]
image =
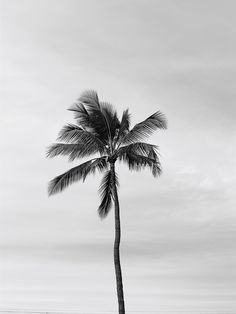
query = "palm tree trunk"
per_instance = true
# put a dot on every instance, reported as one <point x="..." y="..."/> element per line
<point x="119" y="284"/>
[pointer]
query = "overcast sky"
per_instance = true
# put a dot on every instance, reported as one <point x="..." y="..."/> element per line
<point x="178" y="232"/>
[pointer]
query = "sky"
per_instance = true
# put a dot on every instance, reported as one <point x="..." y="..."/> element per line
<point x="178" y="231"/>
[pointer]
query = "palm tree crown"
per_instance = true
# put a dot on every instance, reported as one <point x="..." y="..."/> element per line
<point x="99" y="131"/>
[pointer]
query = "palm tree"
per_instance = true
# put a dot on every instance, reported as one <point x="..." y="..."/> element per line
<point x="99" y="131"/>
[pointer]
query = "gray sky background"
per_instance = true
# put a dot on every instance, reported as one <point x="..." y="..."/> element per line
<point x="178" y="241"/>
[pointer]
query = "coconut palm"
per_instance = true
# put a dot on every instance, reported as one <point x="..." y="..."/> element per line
<point x="99" y="131"/>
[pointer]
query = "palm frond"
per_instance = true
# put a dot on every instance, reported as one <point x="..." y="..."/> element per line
<point x="77" y="173"/>
<point x="139" y="148"/>
<point x="82" y="116"/>
<point x="90" y="98"/>
<point x="74" y="151"/>
<point x="99" y="164"/>
<point x="145" y="128"/>
<point x="70" y="133"/>
<point x="94" y="116"/>
<point x="110" y="118"/>
<point x="74" y="134"/>
<point x="107" y="193"/>
<point x="138" y="162"/>
<point x="124" y="125"/>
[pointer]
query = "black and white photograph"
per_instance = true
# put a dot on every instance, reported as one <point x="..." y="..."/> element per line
<point x="118" y="157"/>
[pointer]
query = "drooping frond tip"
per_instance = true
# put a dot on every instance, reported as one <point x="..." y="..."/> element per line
<point x="107" y="187"/>
<point x="139" y="156"/>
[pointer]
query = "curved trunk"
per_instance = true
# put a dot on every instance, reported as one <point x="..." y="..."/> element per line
<point x="119" y="284"/>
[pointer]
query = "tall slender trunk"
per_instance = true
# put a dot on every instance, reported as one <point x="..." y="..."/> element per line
<point x="119" y="284"/>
